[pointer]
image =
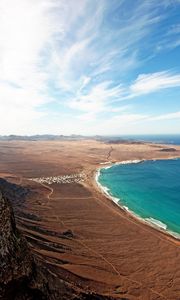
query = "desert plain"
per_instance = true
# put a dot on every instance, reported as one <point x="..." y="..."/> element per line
<point x="76" y="231"/>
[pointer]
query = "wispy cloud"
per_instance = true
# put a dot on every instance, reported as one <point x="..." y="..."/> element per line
<point x="98" y="47"/>
<point x="144" y="84"/>
<point x="24" y="30"/>
<point x="171" y="37"/>
<point x="129" y="123"/>
<point x="97" y="99"/>
<point x="170" y="116"/>
<point x="76" y="57"/>
<point x="148" y="83"/>
<point x="175" y="29"/>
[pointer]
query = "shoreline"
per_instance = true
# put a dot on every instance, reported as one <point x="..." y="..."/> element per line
<point x="151" y="222"/>
<point x="78" y="232"/>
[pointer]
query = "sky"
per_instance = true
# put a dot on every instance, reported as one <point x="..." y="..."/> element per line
<point x="107" y="67"/>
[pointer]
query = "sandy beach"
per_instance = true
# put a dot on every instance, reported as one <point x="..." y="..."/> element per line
<point x="78" y="231"/>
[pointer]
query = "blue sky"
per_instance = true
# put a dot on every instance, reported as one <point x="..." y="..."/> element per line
<point x="89" y="66"/>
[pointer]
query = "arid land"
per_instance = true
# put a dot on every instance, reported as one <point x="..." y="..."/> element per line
<point x="76" y="231"/>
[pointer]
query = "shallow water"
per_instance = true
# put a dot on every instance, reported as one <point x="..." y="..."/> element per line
<point x="150" y="189"/>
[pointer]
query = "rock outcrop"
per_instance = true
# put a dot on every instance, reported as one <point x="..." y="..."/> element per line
<point x="18" y="272"/>
<point x="22" y="277"/>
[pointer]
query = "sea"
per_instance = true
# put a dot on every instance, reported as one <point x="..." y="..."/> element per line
<point x="171" y="139"/>
<point x="149" y="189"/>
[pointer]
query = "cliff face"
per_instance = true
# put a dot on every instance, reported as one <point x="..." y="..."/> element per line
<point x="21" y="276"/>
<point x="17" y="266"/>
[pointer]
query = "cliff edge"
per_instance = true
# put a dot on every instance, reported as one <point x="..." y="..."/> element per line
<point x="18" y="271"/>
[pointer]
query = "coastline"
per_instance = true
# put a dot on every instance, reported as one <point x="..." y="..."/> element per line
<point x="79" y="232"/>
<point x="151" y="222"/>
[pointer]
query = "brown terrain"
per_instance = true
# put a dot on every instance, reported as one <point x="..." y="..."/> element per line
<point x="75" y="232"/>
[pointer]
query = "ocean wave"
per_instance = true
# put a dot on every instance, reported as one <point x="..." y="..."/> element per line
<point x="174" y="234"/>
<point x="108" y="167"/>
<point x="105" y="189"/>
<point x="162" y="226"/>
<point x="135" y="161"/>
<point x="115" y="199"/>
<point x="126" y="208"/>
<point x="156" y="223"/>
<point x="125" y="162"/>
<point x="97" y="175"/>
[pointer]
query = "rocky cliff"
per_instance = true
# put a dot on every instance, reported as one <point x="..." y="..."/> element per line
<point x="18" y="270"/>
<point x="21" y="276"/>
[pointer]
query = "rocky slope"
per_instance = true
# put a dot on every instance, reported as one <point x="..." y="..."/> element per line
<point x="21" y="276"/>
<point x="17" y="266"/>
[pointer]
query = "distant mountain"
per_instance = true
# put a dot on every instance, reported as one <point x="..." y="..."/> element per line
<point x="72" y="137"/>
<point x="43" y="137"/>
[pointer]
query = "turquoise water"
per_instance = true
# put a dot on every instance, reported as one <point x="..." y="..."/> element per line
<point x="150" y="189"/>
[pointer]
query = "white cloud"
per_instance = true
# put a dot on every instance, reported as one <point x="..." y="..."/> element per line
<point x="131" y="118"/>
<point x="25" y="30"/>
<point x="76" y="54"/>
<point x="127" y="118"/>
<point x="96" y="47"/>
<point x="148" y="83"/>
<point x="128" y="123"/>
<point x="97" y="99"/>
<point x="91" y="116"/>
<point x="170" y="116"/>
<point x="175" y="29"/>
<point x="124" y="123"/>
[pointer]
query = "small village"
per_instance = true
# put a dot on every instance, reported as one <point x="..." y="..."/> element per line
<point x="73" y="178"/>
